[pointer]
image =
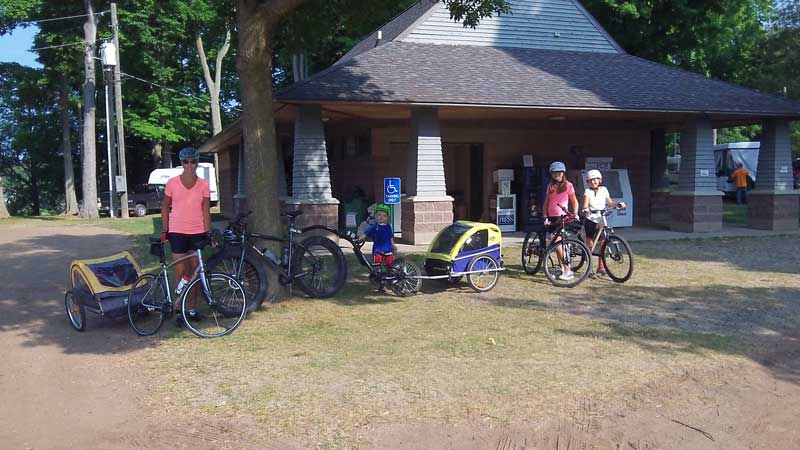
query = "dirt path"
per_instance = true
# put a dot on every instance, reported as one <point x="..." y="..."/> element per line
<point x="66" y="390"/>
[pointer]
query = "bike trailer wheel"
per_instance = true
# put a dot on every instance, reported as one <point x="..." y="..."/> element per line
<point x="76" y="312"/>
<point x="483" y="281"/>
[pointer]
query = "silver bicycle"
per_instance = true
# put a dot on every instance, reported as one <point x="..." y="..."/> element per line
<point x="220" y="301"/>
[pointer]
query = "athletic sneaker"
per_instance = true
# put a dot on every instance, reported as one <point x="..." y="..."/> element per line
<point x="194" y="316"/>
<point x="602" y="271"/>
<point x="566" y="276"/>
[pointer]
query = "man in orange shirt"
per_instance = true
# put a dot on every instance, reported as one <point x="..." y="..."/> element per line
<point x="740" y="177"/>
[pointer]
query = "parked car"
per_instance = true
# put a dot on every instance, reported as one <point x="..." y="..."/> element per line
<point x="145" y="198"/>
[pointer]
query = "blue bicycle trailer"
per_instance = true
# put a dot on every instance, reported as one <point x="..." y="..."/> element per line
<point x="466" y="249"/>
<point x="100" y="286"/>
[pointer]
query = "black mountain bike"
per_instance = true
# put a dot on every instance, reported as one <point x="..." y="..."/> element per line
<point x="538" y="253"/>
<point x="402" y="276"/>
<point x="314" y="262"/>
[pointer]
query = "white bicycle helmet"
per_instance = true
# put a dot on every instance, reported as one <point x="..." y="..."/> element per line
<point x="592" y="174"/>
<point x="558" y="166"/>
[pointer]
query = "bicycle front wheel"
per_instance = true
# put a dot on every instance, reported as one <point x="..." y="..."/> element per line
<point x="252" y="274"/>
<point x="218" y="311"/>
<point x="575" y="255"/>
<point x="148" y="304"/>
<point x="319" y="267"/>
<point x="532" y="253"/>
<point x="618" y="259"/>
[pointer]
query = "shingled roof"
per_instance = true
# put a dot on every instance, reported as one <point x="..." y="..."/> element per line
<point x="553" y="55"/>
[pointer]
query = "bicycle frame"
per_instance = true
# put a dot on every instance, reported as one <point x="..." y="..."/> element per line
<point x="286" y="275"/>
<point x="603" y="229"/>
<point x="199" y="272"/>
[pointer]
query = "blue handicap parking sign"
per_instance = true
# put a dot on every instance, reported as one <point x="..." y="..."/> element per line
<point x="391" y="191"/>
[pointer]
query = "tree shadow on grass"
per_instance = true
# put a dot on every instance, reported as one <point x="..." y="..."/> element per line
<point x="757" y="254"/>
<point x="759" y="323"/>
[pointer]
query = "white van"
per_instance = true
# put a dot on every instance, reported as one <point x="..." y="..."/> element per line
<point x="205" y="171"/>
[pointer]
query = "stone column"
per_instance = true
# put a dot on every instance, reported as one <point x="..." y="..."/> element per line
<point x="428" y="208"/>
<point x="696" y="206"/>
<point x="659" y="185"/>
<point x="311" y="179"/>
<point x="773" y="204"/>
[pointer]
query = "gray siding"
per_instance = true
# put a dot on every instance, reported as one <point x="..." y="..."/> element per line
<point x="775" y="158"/>
<point x="541" y="24"/>
<point x="698" y="172"/>
<point x="425" y="163"/>
<point x="311" y="180"/>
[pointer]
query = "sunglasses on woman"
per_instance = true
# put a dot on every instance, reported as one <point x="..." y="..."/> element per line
<point x="189" y="161"/>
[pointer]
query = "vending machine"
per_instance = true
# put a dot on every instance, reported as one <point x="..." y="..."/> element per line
<point x="531" y="198"/>
<point x="619" y="188"/>
<point x="506" y="212"/>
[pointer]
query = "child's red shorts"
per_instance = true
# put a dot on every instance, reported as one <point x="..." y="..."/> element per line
<point x="386" y="259"/>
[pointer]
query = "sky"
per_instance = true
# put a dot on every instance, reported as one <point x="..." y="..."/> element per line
<point x="14" y="47"/>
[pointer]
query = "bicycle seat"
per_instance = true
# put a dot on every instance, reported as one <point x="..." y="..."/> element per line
<point x="292" y="214"/>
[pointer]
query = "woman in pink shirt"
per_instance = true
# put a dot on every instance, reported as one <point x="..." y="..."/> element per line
<point x="186" y="217"/>
<point x="560" y="196"/>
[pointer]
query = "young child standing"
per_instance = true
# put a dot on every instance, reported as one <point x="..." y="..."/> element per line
<point x="560" y="195"/>
<point x="596" y="198"/>
<point x="382" y="235"/>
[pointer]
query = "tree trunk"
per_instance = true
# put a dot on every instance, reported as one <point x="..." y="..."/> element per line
<point x="257" y="20"/>
<point x="156" y="155"/>
<point x="3" y="209"/>
<point x="70" y="200"/>
<point x="213" y="85"/>
<point x="88" y="150"/>
<point x="166" y="155"/>
<point x="36" y="204"/>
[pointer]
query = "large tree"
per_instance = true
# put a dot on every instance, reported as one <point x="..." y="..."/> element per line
<point x="715" y="38"/>
<point x="257" y="22"/>
<point x="61" y="69"/>
<point x="29" y="136"/>
<point x="88" y="146"/>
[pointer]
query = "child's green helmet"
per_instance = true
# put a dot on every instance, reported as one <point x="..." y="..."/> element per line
<point x="383" y="207"/>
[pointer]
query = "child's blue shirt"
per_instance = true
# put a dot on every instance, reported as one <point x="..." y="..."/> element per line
<point x="381" y="235"/>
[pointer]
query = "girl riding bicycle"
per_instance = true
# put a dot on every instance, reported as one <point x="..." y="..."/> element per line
<point x="560" y="194"/>
<point x="596" y="198"/>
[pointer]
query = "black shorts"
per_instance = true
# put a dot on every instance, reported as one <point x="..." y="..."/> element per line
<point x="590" y="227"/>
<point x="184" y="243"/>
<point x="555" y="222"/>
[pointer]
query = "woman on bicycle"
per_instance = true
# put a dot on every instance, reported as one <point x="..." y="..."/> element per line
<point x="596" y="198"/>
<point x="560" y="196"/>
<point x="186" y="218"/>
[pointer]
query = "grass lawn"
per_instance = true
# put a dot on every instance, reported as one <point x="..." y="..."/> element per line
<point x="733" y="213"/>
<point x="323" y="371"/>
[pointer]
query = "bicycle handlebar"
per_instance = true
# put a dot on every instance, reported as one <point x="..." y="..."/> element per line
<point x="605" y="211"/>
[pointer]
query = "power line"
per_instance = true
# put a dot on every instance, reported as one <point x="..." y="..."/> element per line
<point x="29" y="22"/>
<point x="152" y="83"/>
<point x="82" y="42"/>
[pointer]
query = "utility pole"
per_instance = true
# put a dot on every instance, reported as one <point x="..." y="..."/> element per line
<point x="112" y="191"/>
<point x="118" y="102"/>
